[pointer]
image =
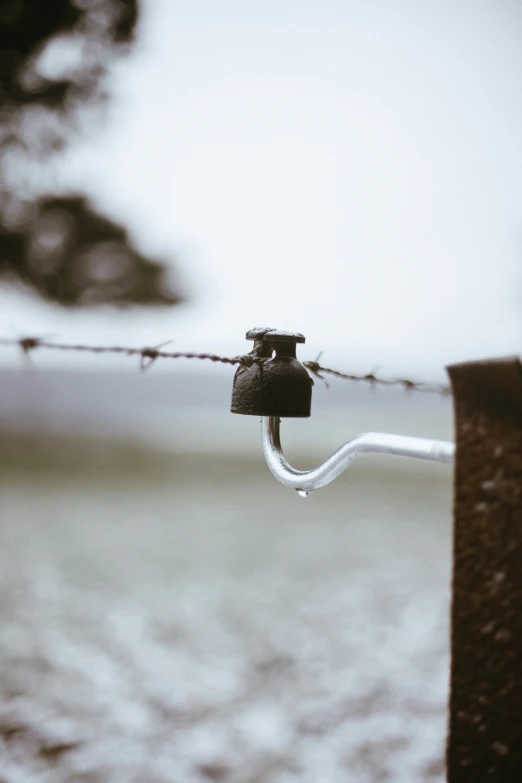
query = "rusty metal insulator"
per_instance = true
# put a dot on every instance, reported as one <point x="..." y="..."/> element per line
<point x="276" y="386"/>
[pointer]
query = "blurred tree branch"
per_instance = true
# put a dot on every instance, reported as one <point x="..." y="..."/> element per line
<point x="54" y="55"/>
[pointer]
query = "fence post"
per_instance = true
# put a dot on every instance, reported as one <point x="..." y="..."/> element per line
<point x="485" y="721"/>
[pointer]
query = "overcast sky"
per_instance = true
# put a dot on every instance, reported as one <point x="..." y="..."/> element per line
<point x="348" y="169"/>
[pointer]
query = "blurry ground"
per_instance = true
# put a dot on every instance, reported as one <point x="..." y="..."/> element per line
<point x="185" y="619"/>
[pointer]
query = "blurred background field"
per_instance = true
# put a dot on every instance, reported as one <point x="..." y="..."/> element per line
<point x="171" y="613"/>
<point x="185" y="171"/>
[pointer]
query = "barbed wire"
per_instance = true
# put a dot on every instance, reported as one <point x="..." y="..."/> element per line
<point x="373" y="379"/>
<point x="148" y="355"/>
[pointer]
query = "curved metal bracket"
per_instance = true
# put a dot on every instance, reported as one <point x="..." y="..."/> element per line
<point x="306" y="481"/>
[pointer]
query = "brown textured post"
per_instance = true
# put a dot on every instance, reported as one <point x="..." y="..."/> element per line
<point x="485" y="728"/>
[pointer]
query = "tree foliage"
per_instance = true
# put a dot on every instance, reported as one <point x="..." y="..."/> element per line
<point x="54" y="55"/>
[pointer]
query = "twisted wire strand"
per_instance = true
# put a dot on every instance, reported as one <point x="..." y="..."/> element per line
<point x="148" y="355"/>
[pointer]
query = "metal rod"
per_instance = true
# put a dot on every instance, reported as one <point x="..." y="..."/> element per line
<point x="369" y="443"/>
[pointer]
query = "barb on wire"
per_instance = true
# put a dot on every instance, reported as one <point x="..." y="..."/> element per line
<point x="149" y="355"/>
<point x="314" y="368"/>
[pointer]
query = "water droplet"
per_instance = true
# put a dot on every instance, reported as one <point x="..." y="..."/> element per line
<point x="302" y="493"/>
